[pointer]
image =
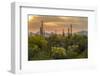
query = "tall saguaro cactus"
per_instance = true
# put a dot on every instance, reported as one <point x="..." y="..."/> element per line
<point x="42" y="29"/>
<point x="71" y="29"/>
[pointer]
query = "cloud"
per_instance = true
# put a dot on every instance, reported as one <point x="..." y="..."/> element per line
<point x="52" y="23"/>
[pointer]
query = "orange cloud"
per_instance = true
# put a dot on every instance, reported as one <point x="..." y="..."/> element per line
<point x="57" y="23"/>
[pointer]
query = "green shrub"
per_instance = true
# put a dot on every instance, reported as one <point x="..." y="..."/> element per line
<point x="58" y="52"/>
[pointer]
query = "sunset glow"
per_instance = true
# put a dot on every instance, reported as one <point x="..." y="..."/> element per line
<point x="31" y="18"/>
<point x="52" y="23"/>
<point x="57" y="37"/>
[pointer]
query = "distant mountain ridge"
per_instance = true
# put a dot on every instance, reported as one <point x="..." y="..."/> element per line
<point x="83" y="33"/>
<point x="48" y="34"/>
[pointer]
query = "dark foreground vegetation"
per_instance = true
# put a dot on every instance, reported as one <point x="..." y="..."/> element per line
<point x="57" y="47"/>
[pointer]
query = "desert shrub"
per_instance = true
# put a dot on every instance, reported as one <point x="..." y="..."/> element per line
<point x="72" y="51"/>
<point x="32" y="51"/>
<point x="58" y="52"/>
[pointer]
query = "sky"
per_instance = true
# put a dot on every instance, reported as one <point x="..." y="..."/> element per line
<point x="57" y="23"/>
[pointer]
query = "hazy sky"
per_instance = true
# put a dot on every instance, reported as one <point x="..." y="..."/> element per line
<point x="57" y="23"/>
